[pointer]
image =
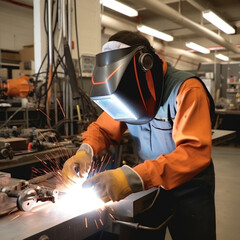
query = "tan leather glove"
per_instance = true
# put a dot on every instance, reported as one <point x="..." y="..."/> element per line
<point x="77" y="166"/>
<point x="110" y="185"/>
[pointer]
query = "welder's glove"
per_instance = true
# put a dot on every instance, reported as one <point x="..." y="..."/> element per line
<point x="115" y="184"/>
<point x="77" y="167"/>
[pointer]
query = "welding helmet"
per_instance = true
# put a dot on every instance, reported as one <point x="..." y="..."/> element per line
<point x="127" y="83"/>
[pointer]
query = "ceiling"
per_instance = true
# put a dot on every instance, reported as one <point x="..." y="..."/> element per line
<point x="182" y="32"/>
<point x="191" y="10"/>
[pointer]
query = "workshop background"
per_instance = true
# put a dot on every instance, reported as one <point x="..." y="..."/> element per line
<point x="47" y="55"/>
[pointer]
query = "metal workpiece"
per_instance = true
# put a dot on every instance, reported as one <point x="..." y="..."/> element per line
<point x="6" y="151"/>
<point x="53" y="223"/>
<point x="28" y="202"/>
<point x="30" y="196"/>
<point x="26" y="199"/>
<point x="25" y="195"/>
<point x="4" y="178"/>
<point x="134" y="204"/>
<point x="49" y="223"/>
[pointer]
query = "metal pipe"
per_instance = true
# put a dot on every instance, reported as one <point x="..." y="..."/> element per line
<point x="27" y="116"/>
<point x="196" y="5"/>
<point x="50" y="57"/>
<point x="19" y="4"/>
<point x="50" y="36"/>
<point x="70" y="48"/>
<point x="182" y="52"/>
<point x="69" y="24"/>
<point x="55" y="104"/>
<point x="64" y="18"/>
<point x="67" y="105"/>
<point x="169" y="13"/>
<point x="116" y="23"/>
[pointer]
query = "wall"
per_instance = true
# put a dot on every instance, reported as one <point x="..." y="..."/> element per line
<point x="222" y="71"/>
<point x="89" y="27"/>
<point x="16" y="30"/>
<point x="16" y="26"/>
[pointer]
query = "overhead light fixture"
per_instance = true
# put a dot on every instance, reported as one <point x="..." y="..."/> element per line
<point x="222" y="57"/>
<point x="155" y="33"/>
<point x="218" y="22"/>
<point x="197" y="47"/>
<point x="119" y="7"/>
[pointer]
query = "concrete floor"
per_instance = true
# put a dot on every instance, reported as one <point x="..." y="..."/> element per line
<point x="227" y="170"/>
<point x="226" y="160"/>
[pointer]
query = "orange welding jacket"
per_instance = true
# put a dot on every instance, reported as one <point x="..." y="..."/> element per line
<point x="191" y="134"/>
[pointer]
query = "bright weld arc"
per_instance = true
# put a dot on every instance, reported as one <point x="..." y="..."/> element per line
<point x="78" y="200"/>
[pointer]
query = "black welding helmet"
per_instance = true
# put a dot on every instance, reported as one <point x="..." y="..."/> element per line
<point x="127" y="83"/>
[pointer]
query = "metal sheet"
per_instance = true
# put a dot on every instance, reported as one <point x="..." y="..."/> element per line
<point x="46" y="220"/>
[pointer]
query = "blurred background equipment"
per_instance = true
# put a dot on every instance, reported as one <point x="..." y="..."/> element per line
<point x="20" y="87"/>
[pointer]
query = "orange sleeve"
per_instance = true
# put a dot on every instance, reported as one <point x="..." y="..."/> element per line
<point x="192" y="137"/>
<point x="102" y="133"/>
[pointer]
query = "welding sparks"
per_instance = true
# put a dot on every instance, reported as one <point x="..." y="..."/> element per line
<point x="86" y="223"/>
<point x="113" y="218"/>
<point x="101" y="221"/>
<point x="96" y="223"/>
<point x="43" y="113"/>
<point x="73" y="200"/>
<point x="15" y="218"/>
<point x="60" y="107"/>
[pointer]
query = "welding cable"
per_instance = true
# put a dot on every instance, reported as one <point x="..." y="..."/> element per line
<point x="60" y="60"/>
<point x="139" y="226"/>
<point x="35" y="74"/>
<point x="76" y="30"/>
<point x="49" y="94"/>
<point x="39" y="70"/>
<point x="153" y="201"/>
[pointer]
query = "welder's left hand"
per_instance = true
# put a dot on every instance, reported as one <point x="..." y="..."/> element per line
<point x="110" y="185"/>
<point x="77" y="167"/>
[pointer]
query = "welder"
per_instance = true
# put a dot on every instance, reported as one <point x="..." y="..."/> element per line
<point x="169" y="114"/>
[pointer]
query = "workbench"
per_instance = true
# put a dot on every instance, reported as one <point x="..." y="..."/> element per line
<point x="228" y="120"/>
<point x="21" y="165"/>
<point x="47" y="222"/>
<point x="223" y="114"/>
<point x="222" y="136"/>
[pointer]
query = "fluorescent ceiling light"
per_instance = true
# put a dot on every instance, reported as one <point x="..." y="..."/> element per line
<point x="218" y="22"/>
<point x="222" y="57"/>
<point x="155" y="33"/>
<point x="119" y="7"/>
<point x="197" y="47"/>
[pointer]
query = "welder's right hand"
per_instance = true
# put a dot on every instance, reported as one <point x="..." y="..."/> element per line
<point x="77" y="167"/>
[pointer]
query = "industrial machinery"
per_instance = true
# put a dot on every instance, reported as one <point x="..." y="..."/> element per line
<point x="23" y="195"/>
<point x="37" y="137"/>
<point x="20" y="87"/>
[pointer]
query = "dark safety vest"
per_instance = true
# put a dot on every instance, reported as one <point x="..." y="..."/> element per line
<point x="155" y="137"/>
